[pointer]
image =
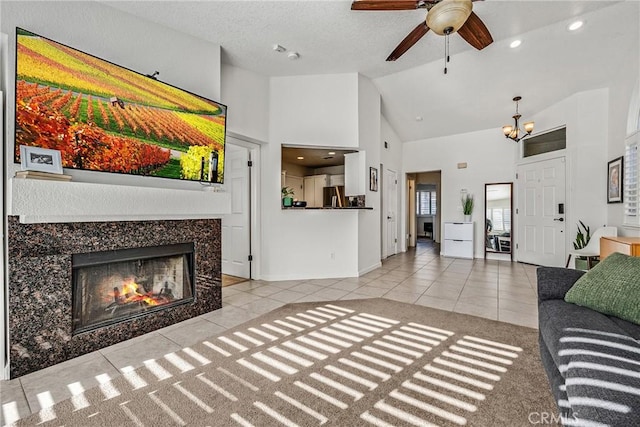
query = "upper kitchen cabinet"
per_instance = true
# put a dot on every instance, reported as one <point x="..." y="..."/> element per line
<point x="355" y="174"/>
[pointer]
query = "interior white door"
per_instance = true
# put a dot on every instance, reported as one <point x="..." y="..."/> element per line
<point x="390" y="200"/>
<point x="236" y="225"/>
<point x="540" y="214"/>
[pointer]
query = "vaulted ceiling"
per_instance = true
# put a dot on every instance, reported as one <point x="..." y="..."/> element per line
<point x="551" y="64"/>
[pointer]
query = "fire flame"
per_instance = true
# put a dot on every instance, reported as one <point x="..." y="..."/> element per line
<point x="130" y="293"/>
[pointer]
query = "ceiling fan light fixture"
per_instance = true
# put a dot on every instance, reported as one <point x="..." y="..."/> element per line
<point x="447" y="16"/>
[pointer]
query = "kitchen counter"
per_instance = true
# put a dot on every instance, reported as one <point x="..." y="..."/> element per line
<point x="328" y="208"/>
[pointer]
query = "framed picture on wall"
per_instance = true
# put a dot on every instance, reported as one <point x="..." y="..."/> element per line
<point x="615" y="176"/>
<point x="373" y="179"/>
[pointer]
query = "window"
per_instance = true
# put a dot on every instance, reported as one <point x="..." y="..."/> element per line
<point x="500" y="219"/>
<point x="631" y="181"/>
<point x="545" y="143"/>
<point x="426" y="202"/>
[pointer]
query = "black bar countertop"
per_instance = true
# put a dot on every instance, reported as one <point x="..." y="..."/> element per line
<point x="328" y="208"/>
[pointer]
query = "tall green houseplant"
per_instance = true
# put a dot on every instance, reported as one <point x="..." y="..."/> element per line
<point x="467" y="206"/>
<point x="583" y="236"/>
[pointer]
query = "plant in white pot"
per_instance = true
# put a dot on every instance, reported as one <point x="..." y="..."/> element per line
<point x="467" y="206"/>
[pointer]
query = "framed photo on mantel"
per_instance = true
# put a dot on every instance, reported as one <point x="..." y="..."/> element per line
<point x="40" y="159"/>
<point x="615" y="177"/>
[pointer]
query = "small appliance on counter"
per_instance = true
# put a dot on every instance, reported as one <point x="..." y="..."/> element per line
<point x="299" y="204"/>
<point x="356" y="201"/>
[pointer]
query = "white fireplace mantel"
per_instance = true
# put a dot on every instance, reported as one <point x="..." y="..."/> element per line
<point x="42" y="201"/>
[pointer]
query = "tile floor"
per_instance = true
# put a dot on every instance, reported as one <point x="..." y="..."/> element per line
<point x="497" y="290"/>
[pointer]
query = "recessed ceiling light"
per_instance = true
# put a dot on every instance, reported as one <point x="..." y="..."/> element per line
<point x="293" y="55"/>
<point x="419" y="118"/>
<point x="300" y="158"/>
<point x="515" y="44"/>
<point x="575" y="25"/>
<point x="331" y="153"/>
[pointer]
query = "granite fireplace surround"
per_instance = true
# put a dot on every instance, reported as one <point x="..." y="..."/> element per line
<point x="40" y="284"/>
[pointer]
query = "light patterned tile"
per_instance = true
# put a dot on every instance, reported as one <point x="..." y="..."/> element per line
<point x="476" y="310"/>
<point x="405" y="297"/>
<point x="149" y="346"/>
<point x="13" y="402"/>
<point x="50" y="385"/>
<point x="435" y="302"/>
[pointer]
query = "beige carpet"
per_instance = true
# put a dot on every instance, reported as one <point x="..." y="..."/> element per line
<point x="371" y="362"/>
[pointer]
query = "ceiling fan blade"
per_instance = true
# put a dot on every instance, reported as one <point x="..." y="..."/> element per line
<point x="409" y="41"/>
<point x="475" y="32"/>
<point x="389" y="4"/>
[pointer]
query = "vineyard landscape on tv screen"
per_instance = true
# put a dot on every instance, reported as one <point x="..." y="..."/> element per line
<point x="104" y="117"/>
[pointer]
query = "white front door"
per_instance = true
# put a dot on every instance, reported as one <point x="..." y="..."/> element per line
<point x="390" y="198"/>
<point x="236" y="225"/>
<point x="541" y="225"/>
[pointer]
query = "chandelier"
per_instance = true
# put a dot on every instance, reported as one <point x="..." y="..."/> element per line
<point x="514" y="132"/>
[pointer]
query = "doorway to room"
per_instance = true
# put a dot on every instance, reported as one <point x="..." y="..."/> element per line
<point x="423" y="207"/>
<point x="238" y="227"/>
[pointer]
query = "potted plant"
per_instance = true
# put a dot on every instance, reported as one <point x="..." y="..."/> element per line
<point x="467" y="207"/>
<point x="287" y="200"/>
<point x="582" y="239"/>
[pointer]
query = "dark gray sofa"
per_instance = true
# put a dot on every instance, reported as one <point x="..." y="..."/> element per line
<point x="592" y="360"/>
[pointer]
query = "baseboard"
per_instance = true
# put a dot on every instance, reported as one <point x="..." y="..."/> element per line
<point x="370" y="268"/>
<point x="286" y="277"/>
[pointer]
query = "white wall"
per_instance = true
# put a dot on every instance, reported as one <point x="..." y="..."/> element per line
<point x="312" y="111"/>
<point x="319" y="110"/>
<point x="391" y="158"/>
<point x="489" y="157"/>
<point x="493" y="158"/>
<point x="247" y="96"/>
<point x="369" y="241"/>
<point x="624" y="99"/>
<point x="586" y="116"/>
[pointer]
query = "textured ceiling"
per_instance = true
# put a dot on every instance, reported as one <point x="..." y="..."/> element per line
<point x="476" y="94"/>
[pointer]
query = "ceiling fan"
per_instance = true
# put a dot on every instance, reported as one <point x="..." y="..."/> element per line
<point x="444" y="17"/>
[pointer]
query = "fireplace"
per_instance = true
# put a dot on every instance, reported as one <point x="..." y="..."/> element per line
<point x="115" y="286"/>
<point x="48" y="260"/>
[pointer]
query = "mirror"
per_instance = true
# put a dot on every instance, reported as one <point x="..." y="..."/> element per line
<point x="498" y="202"/>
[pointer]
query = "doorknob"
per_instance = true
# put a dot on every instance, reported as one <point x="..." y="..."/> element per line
<point x="559" y="219"/>
<point x="388" y="217"/>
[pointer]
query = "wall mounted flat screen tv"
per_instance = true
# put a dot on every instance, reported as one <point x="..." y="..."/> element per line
<point x="104" y="117"/>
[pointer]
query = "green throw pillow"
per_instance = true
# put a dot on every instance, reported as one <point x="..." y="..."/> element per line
<point x="611" y="287"/>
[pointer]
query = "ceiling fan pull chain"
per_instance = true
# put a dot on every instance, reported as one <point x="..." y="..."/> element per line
<point x="446" y="51"/>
